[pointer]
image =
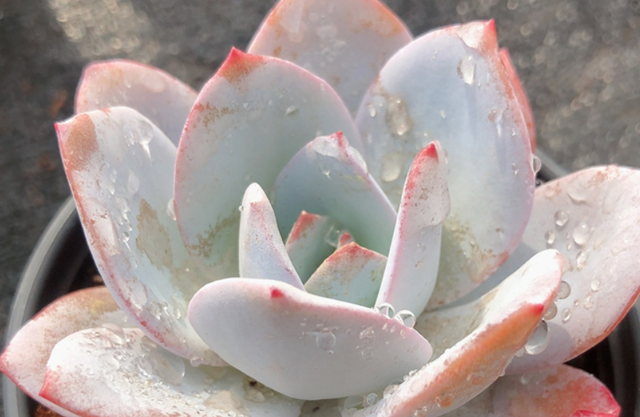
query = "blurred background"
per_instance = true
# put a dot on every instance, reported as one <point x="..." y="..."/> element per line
<point x="579" y="61"/>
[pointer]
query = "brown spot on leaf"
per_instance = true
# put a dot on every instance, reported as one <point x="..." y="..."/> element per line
<point x="80" y="143"/>
<point x="153" y="239"/>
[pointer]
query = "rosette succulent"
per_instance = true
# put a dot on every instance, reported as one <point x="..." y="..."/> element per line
<point x="344" y="221"/>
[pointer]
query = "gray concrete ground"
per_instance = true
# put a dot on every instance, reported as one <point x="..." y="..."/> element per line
<point x="579" y="61"/>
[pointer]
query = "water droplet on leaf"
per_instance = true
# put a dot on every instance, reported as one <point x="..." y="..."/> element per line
<point x="539" y="339"/>
<point x="467" y="70"/>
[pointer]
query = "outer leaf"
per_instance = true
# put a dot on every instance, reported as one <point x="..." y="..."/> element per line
<point x="163" y="99"/>
<point x="450" y="85"/>
<point x="307" y="244"/>
<point x="119" y="167"/>
<point x="93" y="376"/>
<point x="591" y="216"/>
<point x="503" y="326"/>
<point x="559" y="391"/>
<point x="262" y="253"/>
<point x="248" y="121"/>
<point x="352" y="274"/>
<point x="302" y="345"/>
<point x="25" y="358"/>
<point x="446" y="326"/>
<point x="343" y="42"/>
<point x="328" y="177"/>
<point x="412" y="269"/>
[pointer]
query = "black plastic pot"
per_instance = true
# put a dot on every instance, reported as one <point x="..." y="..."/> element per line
<point x="61" y="263"/>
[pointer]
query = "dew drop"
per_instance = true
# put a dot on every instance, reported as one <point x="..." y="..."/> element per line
<point x="367" y="335"/>
<point x="397" y="117"/>
<point x="109" y="360"/>
<point x="406" y="317"/>
<point x="325" y="339"/>
<point x="536" y="164"/>
<point x="385" y="309"/>
<point x="561" y="218"/>
<point x="372" y="110"/>
<point x="391" y="167"/>
<point x="525" y="379"/>
<point x="566" y="315"/>
<point x="588" y="302"/>
<point x="514" y="168"/>
<point x="581" y="234"/>
<point x="550" y="238"/>
<point x="171" y="209"/>
<point x="539" y="339"/>
<point x="577" y="191"/>
<point x="332" y="237"/>
<point x="551" y="312"/>
<point x="125" y="237"/>
<point x="564" y="290"/>
<point x="133" y="183"/>
<point x="475" y="378"/>
<point x="444" y="400"/>
<point x="169" y="367"/>
<point x="371" y="399"/>
<point x="291" y="111"/>
<point x="443" y="114"/>
<point x="467" y="70"/>
<point x="115" y="333"/>
<point x="595" y="285"/>
<point x="354" y="401"/>
<point x="367" y="353"/>
<point x="581" y="260"/>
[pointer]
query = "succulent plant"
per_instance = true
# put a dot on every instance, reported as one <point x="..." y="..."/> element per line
<point x="368" y="240"/>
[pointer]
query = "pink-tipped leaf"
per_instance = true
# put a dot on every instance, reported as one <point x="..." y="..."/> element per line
<point x="247" y="122"/>
<point x="119" y="166"/>
<point x="450" y="85"/>
<point x="25" y="358"/>
<point x="309" y="243"/>
<point x="262" y="253"/>
<point x="352" y="274"/>
<point x="93" y="376"/>
<point x="592" y="217"/>
<point x="557" y="391"/>
<point x="343" y="42"/>
<point x="160" y="97"/>
<point x="302" y="345"/>
<point x="502" y="327"/>
<point x="412" y="268"/>
<point x="329" y="177"/>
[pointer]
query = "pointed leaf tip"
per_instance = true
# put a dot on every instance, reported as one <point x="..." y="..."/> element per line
<point x="239" y="65"/>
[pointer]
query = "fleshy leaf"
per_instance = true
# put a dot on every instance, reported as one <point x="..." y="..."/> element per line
<point x="160" y="97"/>
<point x="298" y="343"/>
<point x="352" y="274"/>
<point x="592" y="217"/>
<point x="450" y="85"/>
<point x="247" y="123"/>
<point x="25" y="358"/>
<point x="502" y="327"/>
<point x="520" y="94"/>
<point x="307" y="243"/>
<point x="91" y="374"/>
<point x="445" y="327"/>
<point x="343" y="42"/>
<point x="119" y="167"/>
<point x="412" y="268"/>
<point x="328" y="177"/>
<point x="262" y="253"/>
<point x="559" y="391"/>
